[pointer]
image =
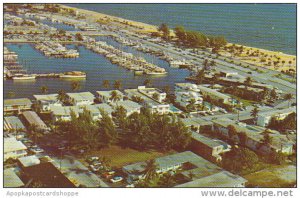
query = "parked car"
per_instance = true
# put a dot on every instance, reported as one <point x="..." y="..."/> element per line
<point x="36" y="149"/>
<point x="96" y="168"/>
<point x="116" y="179"/>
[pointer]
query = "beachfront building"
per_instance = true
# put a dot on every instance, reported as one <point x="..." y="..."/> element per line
<point x="13" y="124"/>
<point x="130" y="106"/>
<point x="151" y="98"/>
<point x="13" y="148"/>
<point x="106" y="96"/>
<point x="80" y="98"/>
<point x="210" y="149"/>
<point x="32" y="120"/>
<point x="16" y="105"/>
<point x="264" y="118"/>
<point x="187" y="161"/>
<point x="254" y="137"/>
<point x="44" y="102"/>
<point x="11" y="179"/>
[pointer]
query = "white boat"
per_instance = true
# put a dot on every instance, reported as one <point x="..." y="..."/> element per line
<point x="24" y="77"/>
<point x="73" y="74"/>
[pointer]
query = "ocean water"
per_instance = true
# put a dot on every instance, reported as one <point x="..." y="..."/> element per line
<point x="268" y="26"/>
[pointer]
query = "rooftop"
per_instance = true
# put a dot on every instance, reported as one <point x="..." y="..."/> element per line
<point x="128" y="105"/>
<point x="34" y="119"/>
<point x="213" y="91"/>
<point x="13" y="122"/>
<point x="29" y="160"/>
<point x="11" y="179"/>
<point x="17" y="101"/>
<point x="11" y="144"/>
<point x="278" y="111"/>
<point x="207" y="141"/>
<point x="108" y="93"/>
<point x="81" y="96"/>
<point x="47" y="97"/>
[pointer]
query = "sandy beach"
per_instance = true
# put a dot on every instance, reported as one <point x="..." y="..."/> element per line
<point x="261" y="57"/>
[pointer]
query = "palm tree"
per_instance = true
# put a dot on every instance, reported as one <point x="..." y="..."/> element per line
<point x="288" y="97"/>
<point x="267" y="139"/>
<point x="75" y="86"/>
<point x="105" y="84"/>
<point x="44" y="89"/>
<point x="248" y="81"/>
<point x="191" y="104"/>
<point x="150" y="170"/>
<point x="205" y="64"/>
<point x="147" y="82"/>
<point x="254" y="114"/>
<point x="62" y="96"/>
<point x="118" y="84"/>
<point x="114" y="96"/>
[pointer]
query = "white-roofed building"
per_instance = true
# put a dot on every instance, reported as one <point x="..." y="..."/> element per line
<point x="11" y="179"/>
<point x="13" y="148"/>
<point x="264" y="118"/>
<point x="33" y="120"/>
<point x="106" y="96"/>
<point x="27" y="161"/>
<point x="46" y="101"/>
<point x="80" y="98"/>
<point x="129" y="106"/>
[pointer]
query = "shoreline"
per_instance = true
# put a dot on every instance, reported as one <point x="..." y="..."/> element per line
<point x="150" y="28"/>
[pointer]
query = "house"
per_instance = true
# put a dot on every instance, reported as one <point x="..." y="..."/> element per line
<point x="188" y="162"/>
<point x="13" y="148"/>
<point x="214" y="95"/>
<point x="254" y="137"/>
<point x="129" y="106"/>
<point x="33" y="120"/>
<point x="227" y="74"/>
<point x="11" y="179"/>
<point x="197" y="124"/>
<point x="81" y="98"/>
<point x="16" y="105"/>
<point x="105" y="96"/>
<point x="264" y="118"/>
<point x="151" y="99"/>
<point x="48" y="175"/>
<point x="223" y="179"/>
<point x="184" y="98"/>
<point x="208" y="148"/>
<point x="186" y="87"/>
<point x="105" y="107"/>
<point x="27" y="161"/>
<point x="45" y="102"/>
<point x="63" y="113"/>
<point x="13" y="123"/>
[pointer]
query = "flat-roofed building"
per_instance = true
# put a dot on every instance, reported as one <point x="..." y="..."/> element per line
<point x="264" y="118"/>
<point x="27" y="161"/>
<point x="106" y="96"/>
<point x="149" y="99"/>
<point x="223" y="179"/>
<point x="32" y="119"/>
<point x="197" y="124"/>
<point x="130" y="106"/>
<point x="214" y="94"/>
<point x="13" y="123"/>
<point x="63" y="113"/>
<point x="13" y="148"/>
<point x="210" y="149"/>
<point x="80" y="98"/>
<point x="46" y="101"/>
<point x="16" y="105"/>
<point x="11" y="179"/>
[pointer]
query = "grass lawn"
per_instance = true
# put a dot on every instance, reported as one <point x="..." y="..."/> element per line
<point x="276" y="176"/>
<point x="124" y="156"/>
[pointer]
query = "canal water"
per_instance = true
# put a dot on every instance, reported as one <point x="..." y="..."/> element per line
<point x="97" y="67"/>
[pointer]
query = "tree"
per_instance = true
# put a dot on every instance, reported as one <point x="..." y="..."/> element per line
<point x="248" y="81"/>
<point x="150" y="170"/>
<point x="273" y="94"/>
<point x="114" y="96"/>
<point x="200" y="76"/>
<point x="180" y="33"/>
<point x="117" y="84"/>
<point x="120" y="115"/>
<point x="107" y="130"/>
<point x="147" y="82"/>
<point x="78" y="37"/>
<point x="254" y="114"/>
<point x="232" y="132"/>
<point x="288" y="97"/>
<point x="75" y="86"/>
<point x="62" y="96"/>
<point x="165" y="30"/>
<point x="155" y="96"/>
<point x="105" y="84"/>
<point x="166" y="181"/>
<point x="267" y="139"/>
<point x="44" y="89"/>
<point x="191" y="105"/>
